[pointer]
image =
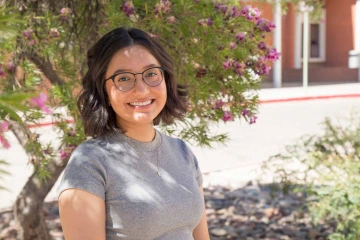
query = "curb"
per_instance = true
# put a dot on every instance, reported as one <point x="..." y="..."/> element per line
<point x="281" y="100"/>
<point x="298" y="99"/>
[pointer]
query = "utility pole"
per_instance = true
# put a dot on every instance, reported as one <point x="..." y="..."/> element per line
<point x="277" y="73"/>
<point x="305" y="10"/>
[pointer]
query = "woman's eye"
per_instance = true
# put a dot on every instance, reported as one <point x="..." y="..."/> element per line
<point x="123" y="79"/>
<point x="152" y="74"/>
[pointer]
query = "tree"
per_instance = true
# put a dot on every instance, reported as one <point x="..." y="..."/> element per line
<point x="219" y="50"/>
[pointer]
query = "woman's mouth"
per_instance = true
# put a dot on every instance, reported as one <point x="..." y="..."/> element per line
<point x="141" y="103"/>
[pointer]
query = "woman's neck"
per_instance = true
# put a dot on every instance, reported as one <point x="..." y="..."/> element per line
<point x="141" y="133"/>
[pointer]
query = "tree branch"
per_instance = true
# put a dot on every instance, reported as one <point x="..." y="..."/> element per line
<point x="46" y="67"/>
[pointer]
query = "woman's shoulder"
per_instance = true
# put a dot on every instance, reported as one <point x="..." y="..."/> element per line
<point x="175" y="142"/>
<point x="92" y="148"/>
<point x="89" y="145"/>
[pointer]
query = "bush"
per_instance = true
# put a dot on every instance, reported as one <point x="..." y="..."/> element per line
<point x="328" y="166"/>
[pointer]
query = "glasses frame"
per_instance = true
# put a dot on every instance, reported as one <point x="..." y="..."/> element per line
<point x="142" y="77"/>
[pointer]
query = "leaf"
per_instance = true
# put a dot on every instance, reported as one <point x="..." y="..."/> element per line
<point x="8" y="110"/>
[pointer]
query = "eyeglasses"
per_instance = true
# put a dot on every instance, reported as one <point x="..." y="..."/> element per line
<point x="125" y="81"/>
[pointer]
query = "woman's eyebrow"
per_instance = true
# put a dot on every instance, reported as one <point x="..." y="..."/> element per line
<point x="129" y="70"/>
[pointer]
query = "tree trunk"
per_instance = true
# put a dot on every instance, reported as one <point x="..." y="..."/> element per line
<point x="28" y="207"/>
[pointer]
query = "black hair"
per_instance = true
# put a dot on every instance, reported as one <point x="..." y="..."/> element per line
<point x="98" y="117"/>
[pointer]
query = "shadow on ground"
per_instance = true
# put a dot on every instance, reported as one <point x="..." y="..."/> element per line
<point x="251" y="212"/>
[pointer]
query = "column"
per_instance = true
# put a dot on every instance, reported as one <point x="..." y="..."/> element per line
<point x="277" y="72"/>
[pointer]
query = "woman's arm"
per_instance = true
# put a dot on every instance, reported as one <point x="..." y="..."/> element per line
<point x="82" y="215"/>
<point x="201" y="231"/>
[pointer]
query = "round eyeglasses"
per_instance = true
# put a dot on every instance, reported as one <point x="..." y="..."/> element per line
<point x="125" y="81"/>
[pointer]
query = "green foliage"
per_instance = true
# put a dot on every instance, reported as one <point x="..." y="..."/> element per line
<point x="3" y="172"/>
<point x="13" y="103"/>
<point x="9" y="21"/>
<point x="328" y="166"/>
<point x="50" y="46"/>
<point x="316" y="5"/>
<point x="198" y="53"/>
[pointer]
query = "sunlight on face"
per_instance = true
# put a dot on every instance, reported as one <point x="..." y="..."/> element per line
<point x="140" y="105"/>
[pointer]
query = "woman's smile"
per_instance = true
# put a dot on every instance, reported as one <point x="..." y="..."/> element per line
<point x="132" y="99"/>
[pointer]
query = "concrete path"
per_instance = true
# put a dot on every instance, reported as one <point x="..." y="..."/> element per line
<point x="284" y="115"/>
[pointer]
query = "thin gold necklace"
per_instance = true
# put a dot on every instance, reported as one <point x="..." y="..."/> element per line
<point x="157" y="152"/>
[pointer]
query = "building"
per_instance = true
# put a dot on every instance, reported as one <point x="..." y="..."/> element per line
<point x="332" y="40"/>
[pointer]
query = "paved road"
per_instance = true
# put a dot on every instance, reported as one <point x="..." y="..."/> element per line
<point x="279" y="123"/>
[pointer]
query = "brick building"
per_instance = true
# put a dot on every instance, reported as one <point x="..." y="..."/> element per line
<point x="330" y="40"/>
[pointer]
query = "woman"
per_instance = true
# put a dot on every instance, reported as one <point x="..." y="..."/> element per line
<point x="131" y="181"/>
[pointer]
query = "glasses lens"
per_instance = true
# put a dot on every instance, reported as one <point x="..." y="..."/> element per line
<point x="153" y="76"/>
<point x="124" y="82"/>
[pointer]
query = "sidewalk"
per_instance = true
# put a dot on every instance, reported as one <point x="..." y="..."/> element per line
<point x="285" y="114"/>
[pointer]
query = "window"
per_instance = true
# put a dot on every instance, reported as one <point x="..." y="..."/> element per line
<point x="316" y="39"/>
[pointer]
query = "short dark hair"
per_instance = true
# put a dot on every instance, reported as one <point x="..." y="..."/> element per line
<point x="97" y="116"/>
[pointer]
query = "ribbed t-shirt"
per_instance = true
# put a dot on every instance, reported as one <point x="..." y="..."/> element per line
<point x="140" y="204"/>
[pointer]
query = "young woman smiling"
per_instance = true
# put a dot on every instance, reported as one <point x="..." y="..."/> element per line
<point x="129" y="181"/>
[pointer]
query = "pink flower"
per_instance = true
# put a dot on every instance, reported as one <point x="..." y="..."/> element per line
<point x="153" y="35"/>
<point x="4" y="126"/>
<point x="239" y="71"/>
<point x="256" y="13"/>
<point x="240" y="37"/>
<point x="128" y="8"/>
<point x="238" y="65"/>
<point x="2" y="72"/>
<point x="249" y="17"/>
<point x="272" y="54"/>
<point x="250" y="13"/>
<point x="245" y="112"/>
<point x="54" y="33"/>
<point x="205" y="22"/>
<point x="63" y="154"/>
<point x="264" y="25"/>
<point x="227" y="64"/>
<point x="253" y="119"/>
<point x="221" y="7"/>
<point x="227" y="10"/>
<point x="261" y="68"/>
<point x="227" y="116"/>
<point x="4" y="142"/>
<point x="239" y="68"/>
<point x="262" y="46"/>
<point x="40" y="102"/>
<point x="171" y="19"/>
<point x="219" y="104"/>
<point x="11" y="67"/>
<point x="65" y="13"/>
<point x="164" y="6"/>
<point x="232" y="45"/>
<point x="245" y="9"/>
<point x="28" y="33"/>
<point x="32" y="42"/>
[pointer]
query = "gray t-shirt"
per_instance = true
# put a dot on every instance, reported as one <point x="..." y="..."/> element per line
<point x="140" y="204"/>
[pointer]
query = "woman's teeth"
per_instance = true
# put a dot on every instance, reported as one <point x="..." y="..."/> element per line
<point x="140" y="103"/>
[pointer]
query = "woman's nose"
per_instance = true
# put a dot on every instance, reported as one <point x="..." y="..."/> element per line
<point x="140" y="85"/>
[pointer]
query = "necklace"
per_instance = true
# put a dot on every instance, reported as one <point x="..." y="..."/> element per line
<point x="141" y="155"/>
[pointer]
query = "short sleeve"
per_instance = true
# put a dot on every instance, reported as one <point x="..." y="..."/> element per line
<point x="86" y="170"/>
<point x="194" y="162"/>
<point x="199" y="177"/>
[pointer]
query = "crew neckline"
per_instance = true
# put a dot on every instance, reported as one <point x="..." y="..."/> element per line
<point x="143" y="146"/>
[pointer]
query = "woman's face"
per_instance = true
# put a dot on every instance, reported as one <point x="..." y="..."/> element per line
<point x="140" y="105"/>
